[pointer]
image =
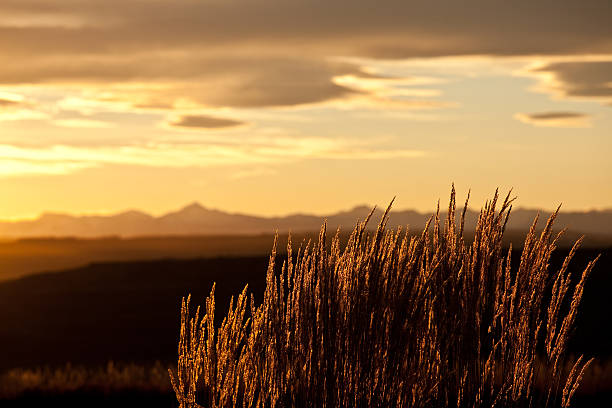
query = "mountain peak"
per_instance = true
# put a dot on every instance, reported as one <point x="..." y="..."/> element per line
<point x="196" y="219"/>
<point x="194" y="206"/>
<point x="361" y="208"/>
<point x="134" y="214"/>
<point x="193" y="211"/>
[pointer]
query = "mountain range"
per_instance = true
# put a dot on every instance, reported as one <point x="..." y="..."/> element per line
<point x="196" y="219"/>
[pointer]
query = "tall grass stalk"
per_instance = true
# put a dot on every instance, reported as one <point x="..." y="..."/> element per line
<point x="393" y="320"/>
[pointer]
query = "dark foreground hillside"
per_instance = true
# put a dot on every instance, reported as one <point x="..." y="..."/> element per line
<point x="20" y="258"/>
<point x="112" y="311"/>
<point x="129" y="312"/>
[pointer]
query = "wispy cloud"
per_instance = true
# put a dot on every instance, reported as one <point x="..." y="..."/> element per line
<point x="204" y="122"/>
<point x="8" y="103"/>
<point x="23" y="167"/>
<point x="23" y="114"/>
<point x="16" y="107"/>
<point x="83" y="123"/>
<point x="555" y="119"/>
<point x="62" y="159"/>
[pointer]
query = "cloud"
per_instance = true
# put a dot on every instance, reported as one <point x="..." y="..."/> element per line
<point x="400" y="29"/>
<point x="191" y="81"/>
<point x="15" y="107"/>
<point x="578" y="79"/>
<point x="555" y="119"/>
<point x="16" y="168"/>
<point x="83" y="123"/>
<point x="211" y="53"/>
<point x="262" y="151"/>
<point x="89" y="106"/>
<point x="556" y="115"/>
<point x="205" y="122"/>
<point x="11" y="101"/>
<point x="8" y="103"/>
<point x="22" y="113"/>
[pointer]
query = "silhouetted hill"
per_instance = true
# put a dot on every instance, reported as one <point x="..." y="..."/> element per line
<point x="196" y="219"/>
<point x="112" y="311"/>
<point x="27" y="256"/>
<point x="33" y="255"/>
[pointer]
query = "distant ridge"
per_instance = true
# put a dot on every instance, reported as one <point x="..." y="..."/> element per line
<point x="195" y="219"/>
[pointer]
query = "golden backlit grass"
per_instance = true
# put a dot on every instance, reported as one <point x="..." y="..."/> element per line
<point x="393" y="320"/>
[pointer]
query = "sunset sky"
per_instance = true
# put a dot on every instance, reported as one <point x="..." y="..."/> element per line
<point x="273" y="107"/>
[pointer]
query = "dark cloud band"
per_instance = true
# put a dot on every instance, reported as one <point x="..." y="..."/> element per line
<point x="556" y="115"/>
<point x="205" y="122"/>
<point x="588" y="79"/>
<point x="276" y="53"/>
<point x="555" y="119"/>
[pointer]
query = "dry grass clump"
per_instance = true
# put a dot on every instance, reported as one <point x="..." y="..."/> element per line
<point x="393" y="320"/>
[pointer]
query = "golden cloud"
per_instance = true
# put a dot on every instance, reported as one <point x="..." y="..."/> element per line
<point x="83" y="123"/>
<point x="63" y="159"/>
<point x="8" y="103"/>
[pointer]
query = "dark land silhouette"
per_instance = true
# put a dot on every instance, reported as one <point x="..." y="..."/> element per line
<point x="128" y="312"/>
<point x="34" y="255"/>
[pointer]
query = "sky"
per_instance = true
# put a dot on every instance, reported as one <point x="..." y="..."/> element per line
<point x="272" y="107"/>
